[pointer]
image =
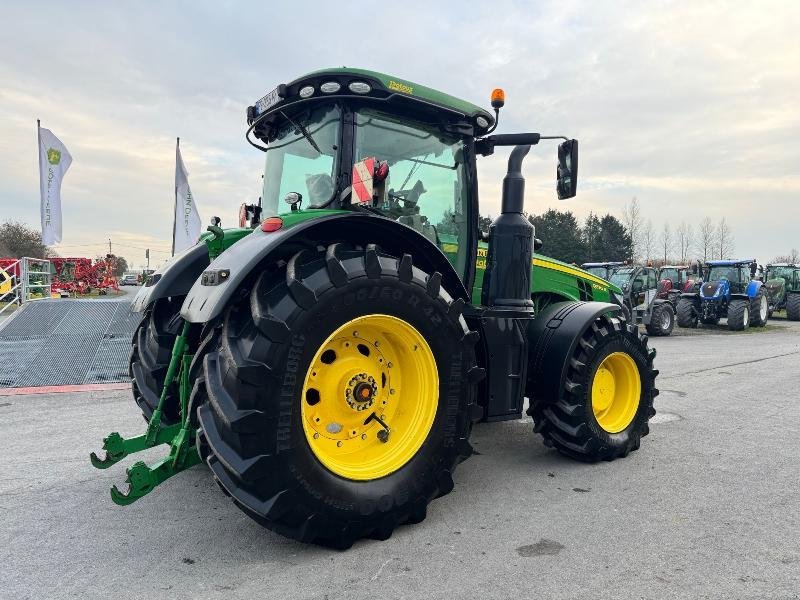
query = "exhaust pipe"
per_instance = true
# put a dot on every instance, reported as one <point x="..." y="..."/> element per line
<point x="506" y="296"/>
<point x="507" y="280"/>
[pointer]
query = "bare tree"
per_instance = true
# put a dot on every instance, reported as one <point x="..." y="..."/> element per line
<point x="792" y="258"/>
<point x="632" y="219"/>
<point x="705" y="238"/>
<point x="685" y="238"/>
<point x="648" y="241"/>
<point x="666" y="240"/>
<point x="724" y="239"/>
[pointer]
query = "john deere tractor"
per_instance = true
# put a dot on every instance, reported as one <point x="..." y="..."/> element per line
<point x="328" y="362"/>
<point x="782" y="281"/>
<point x="730" y="291"/>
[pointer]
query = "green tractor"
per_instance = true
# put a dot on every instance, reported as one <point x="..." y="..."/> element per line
<point x="328" y="362"/>
<point x="782" y="281"/>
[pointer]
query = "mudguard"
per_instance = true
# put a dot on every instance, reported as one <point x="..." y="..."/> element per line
<point x="752" y="288"/>
<point x="174" y="279"/>
<point x="552" y="338"/>
<point x="215" y="288"/>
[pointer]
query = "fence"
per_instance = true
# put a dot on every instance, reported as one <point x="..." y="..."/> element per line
<point x="24" y="280"/>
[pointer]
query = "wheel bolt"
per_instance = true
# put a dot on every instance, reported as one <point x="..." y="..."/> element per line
<point x="363" y="436"/>
<point x="339" y="444"/>
<point x="391" y="391"/>
<point x="316" y="436"/>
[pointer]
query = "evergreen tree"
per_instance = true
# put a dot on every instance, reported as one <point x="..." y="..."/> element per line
<point x="560" y="235"/>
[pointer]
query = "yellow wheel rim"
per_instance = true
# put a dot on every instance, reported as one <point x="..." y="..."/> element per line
<point x="370" y="397"/>
<point x="616" y="390"/>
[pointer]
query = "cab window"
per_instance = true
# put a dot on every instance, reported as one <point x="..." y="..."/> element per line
<point x="427" y="186"/>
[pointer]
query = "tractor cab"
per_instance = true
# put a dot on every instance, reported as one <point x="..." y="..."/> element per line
<point x="674" y="279"/>
<point x="604" y="270"/>
<point x="727" y="277"/>
<point x="364" y="141"/>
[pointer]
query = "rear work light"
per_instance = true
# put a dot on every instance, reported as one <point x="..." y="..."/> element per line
<point x="271" y="224"/>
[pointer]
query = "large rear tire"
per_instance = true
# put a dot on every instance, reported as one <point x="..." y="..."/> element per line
<point x="759" y="309"/>
<point x="608" y="396"/>
<point x="150" y="355"/>
<point x="793" y="307"/>
<point x="738" y="315"/>
<point x="310" y="365"/>
<point x="687" y="317"/>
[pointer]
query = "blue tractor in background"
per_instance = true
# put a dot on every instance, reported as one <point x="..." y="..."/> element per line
<point x="730" y="291"/>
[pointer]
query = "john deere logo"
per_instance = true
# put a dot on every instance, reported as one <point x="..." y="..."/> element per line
<point x="53" y="156"/>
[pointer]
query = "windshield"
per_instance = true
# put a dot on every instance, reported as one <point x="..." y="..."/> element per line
<point x="427" y="187"/>
<point x="598" y="271"/>
<point x="293" y="165"/>
<point x="731" y="273"/>
<point x="775" y="272"/>
<point x="621" y="276"/>
<point x="671" y="274"/>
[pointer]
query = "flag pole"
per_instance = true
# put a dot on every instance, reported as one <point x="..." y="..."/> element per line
<point x="41" y="174"/>
<point x="175" y="208"/>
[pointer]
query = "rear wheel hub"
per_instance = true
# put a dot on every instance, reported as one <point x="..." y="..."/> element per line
<point x="373" y="375"/>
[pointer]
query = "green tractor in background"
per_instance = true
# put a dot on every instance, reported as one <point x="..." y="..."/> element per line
<point x="782" y="282"/>
<point x="329" y="361"/>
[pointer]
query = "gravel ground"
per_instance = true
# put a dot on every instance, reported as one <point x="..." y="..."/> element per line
<point x="708" y="508"/>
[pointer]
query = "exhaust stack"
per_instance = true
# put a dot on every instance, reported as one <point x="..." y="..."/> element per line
<point x="507" y="281"/>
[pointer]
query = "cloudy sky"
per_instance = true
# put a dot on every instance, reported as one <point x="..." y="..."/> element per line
<point x="692" y="107"/>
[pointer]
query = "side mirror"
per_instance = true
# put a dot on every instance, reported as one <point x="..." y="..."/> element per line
<point x="567" y="170"/>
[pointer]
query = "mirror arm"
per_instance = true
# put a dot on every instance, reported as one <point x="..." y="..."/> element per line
<point x="485" y="146"/>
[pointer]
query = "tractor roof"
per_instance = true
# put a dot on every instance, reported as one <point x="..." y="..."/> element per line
<point x="380" y="86"/>
<point x="730" y="263"/>
<point x="601" y="264"/>
<point x="790" y="265"/>
<point x="678" y="267"/>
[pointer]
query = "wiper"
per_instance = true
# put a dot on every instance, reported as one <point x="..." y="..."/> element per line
<point x="305" y="133"/>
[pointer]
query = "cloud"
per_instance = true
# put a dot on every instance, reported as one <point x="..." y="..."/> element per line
<point x="689" y="106"/>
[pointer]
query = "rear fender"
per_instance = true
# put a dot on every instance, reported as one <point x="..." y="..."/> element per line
<point x="205" y="302"/>
<point x="174" y="279"/>
<point x="552" y="338"/>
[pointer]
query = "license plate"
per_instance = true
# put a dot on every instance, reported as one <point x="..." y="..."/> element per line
<point x="267" y="102"/>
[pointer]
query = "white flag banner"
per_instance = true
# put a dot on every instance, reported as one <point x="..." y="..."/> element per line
<point x="54" y="160"/>
<point x="187" y="218"/>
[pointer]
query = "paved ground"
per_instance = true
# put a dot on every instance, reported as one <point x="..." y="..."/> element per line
<point x="708" y="508"/>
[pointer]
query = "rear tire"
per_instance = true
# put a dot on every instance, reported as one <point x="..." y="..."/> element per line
<point x="150" y="355"/>
<point x="687" y="317"/>
<point x="793" y="307"/>
<point x="759" y="309"/>
<point x="662" y="320"/>
<point x="255" y="429"/>
<point x="738" y="315"/>
<point x="571" y="424"/>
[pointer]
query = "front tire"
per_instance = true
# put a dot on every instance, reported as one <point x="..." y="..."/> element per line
<point x="687" y="316"/>
<point x="738" y="315"/>
<point x="662" y="320"/>
<point x="793" y="307"/>
<point x="759" y="309"/>
<point x="274" y="380"/>
<point x="608" y="396"/>
<point x="150" y="356"/>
